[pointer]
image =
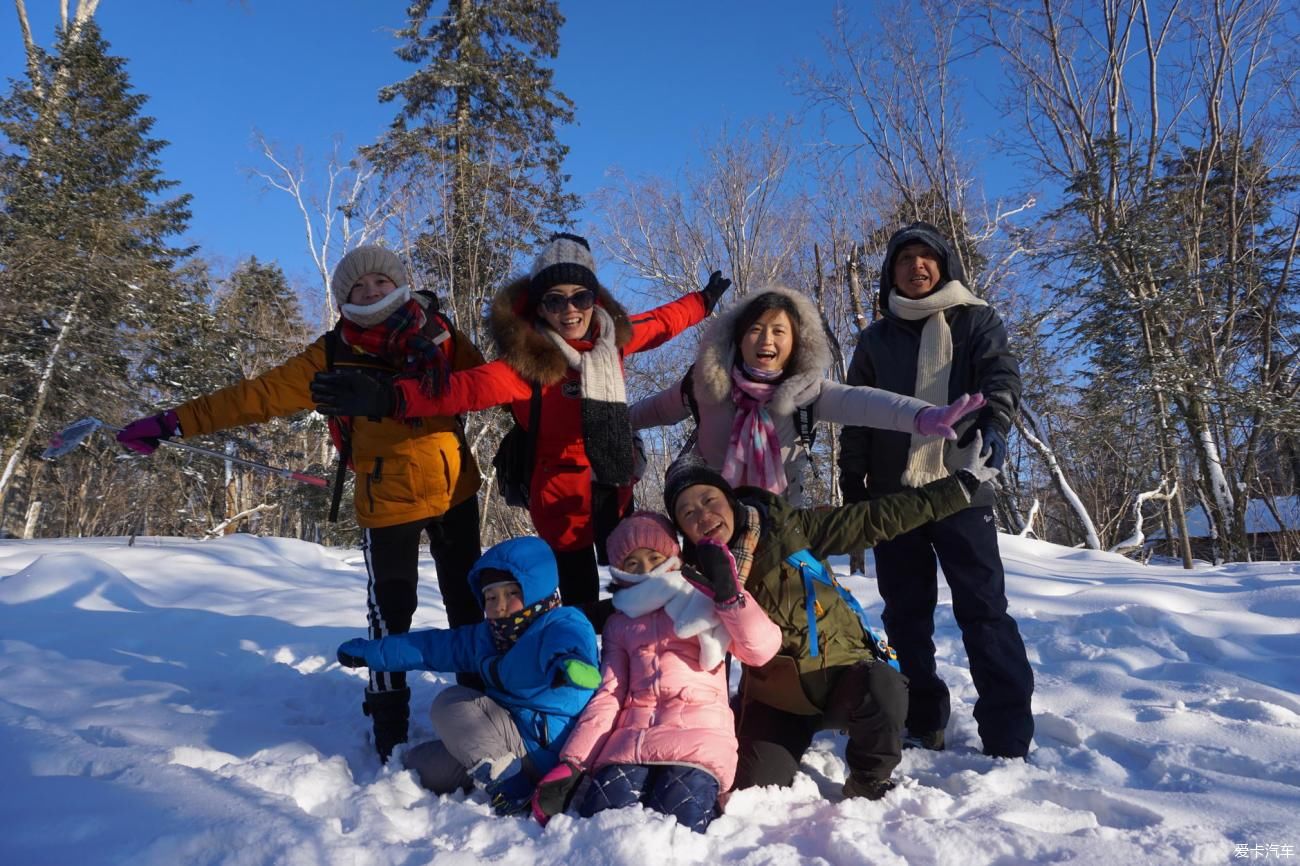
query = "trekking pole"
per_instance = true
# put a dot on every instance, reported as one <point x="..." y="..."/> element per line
<point x="74" y="434"/>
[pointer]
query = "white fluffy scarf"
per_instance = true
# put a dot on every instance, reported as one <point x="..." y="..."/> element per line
<point x="691" y="611"/>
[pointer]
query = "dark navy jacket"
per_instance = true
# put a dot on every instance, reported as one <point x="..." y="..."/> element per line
<point x="886" y="358"/>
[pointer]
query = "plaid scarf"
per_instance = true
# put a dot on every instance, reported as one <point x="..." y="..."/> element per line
<point x="506" y="630"/>
<point x="399" y="340"/>
<point x="754" y="450"/>
<point x="742" y="549"/>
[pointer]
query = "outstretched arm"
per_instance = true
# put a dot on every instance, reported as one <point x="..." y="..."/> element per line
<point x="664" y="409"/>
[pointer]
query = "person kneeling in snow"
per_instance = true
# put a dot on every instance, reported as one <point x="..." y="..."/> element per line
<point x="537" y="659"/>
<point x="829" y="672"/>
<point x="660" y="730"/>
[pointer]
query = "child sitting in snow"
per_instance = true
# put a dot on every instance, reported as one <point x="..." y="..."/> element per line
<point x="659" y="731"/>
<point x="536" y="658"/>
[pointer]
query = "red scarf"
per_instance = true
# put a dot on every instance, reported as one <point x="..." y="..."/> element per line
<point x="400" y="341"/>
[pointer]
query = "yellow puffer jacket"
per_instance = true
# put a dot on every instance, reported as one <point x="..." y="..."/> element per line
<point x="405" y="470"/>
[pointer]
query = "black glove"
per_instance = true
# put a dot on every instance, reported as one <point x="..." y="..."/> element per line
<point x="995" y="445"/>
<point x="715" y="289"/>
<point x="555" y="791"/>
<point x="714" y="572"/>
<point x="348" y="392"/>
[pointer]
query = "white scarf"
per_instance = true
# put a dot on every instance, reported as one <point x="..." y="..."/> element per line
<point x="693" y="613"/>
<point x="606" y="430"/>
<point x="372" y="314"/>
<point x="933" y="367"/>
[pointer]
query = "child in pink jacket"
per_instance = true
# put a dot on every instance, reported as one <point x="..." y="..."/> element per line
<point x="659" y="730"/>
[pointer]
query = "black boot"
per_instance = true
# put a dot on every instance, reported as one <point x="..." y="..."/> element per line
<point x="390" y="711"/>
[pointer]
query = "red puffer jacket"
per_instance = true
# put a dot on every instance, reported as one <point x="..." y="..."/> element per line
<point x="560" y="498"/>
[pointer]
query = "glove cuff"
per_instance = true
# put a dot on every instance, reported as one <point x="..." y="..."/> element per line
<point x="969" y="483"/>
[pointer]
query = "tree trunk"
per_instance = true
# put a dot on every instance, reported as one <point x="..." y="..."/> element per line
<point x="42" y="394"/>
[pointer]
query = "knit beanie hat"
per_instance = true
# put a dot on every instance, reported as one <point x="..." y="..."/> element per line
<point x="642" y="529"/>
<point x="566" y="259"/>
<point x="687" y="471"/>
<point x="369" y="259"/>
<point x="921" y="233"/>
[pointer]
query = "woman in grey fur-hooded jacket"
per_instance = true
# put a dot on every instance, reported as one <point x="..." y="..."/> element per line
<point x="758" y="364"/>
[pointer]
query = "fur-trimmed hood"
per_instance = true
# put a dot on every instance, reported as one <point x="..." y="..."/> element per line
<point x="809" y="361"/>
<point x="530" y="352"/>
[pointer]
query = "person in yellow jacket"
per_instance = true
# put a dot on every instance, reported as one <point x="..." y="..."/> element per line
<point x="413" y="477"/>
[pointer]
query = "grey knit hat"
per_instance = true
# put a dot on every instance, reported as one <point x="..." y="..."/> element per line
<point x="566" y="259"/>
<point x="369" y="259"/>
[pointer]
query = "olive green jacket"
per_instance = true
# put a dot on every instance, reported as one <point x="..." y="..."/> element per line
<point x="796" y="681"/>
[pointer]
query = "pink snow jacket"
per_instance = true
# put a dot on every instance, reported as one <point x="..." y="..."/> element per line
<point x="656" y="706"/>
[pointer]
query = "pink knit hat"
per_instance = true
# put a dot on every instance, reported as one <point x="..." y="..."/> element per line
<point x="641" y="529"/>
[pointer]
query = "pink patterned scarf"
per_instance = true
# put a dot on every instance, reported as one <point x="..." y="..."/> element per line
<point x="754" y="451"/>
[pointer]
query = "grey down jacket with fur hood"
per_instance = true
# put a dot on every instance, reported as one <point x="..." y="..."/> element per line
<point x="806" y="385"/>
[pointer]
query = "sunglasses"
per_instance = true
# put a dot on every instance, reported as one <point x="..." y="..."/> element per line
<point x="556" y="303"/>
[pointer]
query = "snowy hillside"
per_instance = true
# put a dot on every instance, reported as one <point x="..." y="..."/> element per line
<point x="178" y="703"/>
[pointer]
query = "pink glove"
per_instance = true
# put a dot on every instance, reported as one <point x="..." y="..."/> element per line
<point x="144" y="435"/>
<point x="938" y="420"/>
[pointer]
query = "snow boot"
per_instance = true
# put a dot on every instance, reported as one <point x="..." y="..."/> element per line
<point x="872" y="789"/>
<point x="390" y="712"/>
<point x="930" y="740"/>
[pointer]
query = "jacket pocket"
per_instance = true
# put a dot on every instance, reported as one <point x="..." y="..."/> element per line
<point x="778" y="685"/>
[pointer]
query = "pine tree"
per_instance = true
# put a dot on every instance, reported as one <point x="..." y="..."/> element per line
<point x="85" y="229"/>
<point x="477" y="126"/>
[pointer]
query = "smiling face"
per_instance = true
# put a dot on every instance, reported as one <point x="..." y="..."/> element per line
<point x="704" y="510"/>
<point x="643" y="560"/>
<point x="370" y="288"/>
<point x="769" y="342"/>
<point x="566" y="319"/>
<point x="917" y="270"/>
<point x="502" y="600"/>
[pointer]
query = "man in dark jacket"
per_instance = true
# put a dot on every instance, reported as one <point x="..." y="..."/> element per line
<point x="936" y="340"/>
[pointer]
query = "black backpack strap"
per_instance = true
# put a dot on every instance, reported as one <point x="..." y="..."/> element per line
<point x="534" y="423"/>
<point x="342" y="425"/>
<point x="688" y="394"/>
<point x="805" y="425"/>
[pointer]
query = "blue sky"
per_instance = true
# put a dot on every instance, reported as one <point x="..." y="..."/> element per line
<point x="650" y="80"/>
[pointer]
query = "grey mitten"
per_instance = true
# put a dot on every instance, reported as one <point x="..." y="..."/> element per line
<point x="970" y="463"/>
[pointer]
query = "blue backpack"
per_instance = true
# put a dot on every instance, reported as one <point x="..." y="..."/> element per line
<point x="812" y="571"/>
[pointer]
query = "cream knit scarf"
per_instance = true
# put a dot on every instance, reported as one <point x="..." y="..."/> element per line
<point x="933" y="366"/>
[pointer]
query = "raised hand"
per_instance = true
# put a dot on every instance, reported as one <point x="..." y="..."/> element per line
<point x="714" y="573"/>
<point x="714" y="290"/>
<point x="938" y="420"/>
<point x="145" y="434"/>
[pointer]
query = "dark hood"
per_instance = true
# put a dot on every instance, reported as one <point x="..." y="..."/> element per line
<point x="923" y="233"/>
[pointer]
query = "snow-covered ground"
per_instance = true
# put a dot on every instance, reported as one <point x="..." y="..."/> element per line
<point x="178" y="702"/>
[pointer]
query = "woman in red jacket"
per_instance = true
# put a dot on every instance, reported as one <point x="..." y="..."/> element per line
<point x="560" y="331"/>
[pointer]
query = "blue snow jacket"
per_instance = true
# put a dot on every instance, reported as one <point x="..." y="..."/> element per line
<point x="527" y="678"/>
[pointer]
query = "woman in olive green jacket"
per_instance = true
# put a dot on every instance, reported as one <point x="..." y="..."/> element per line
<point x="839" y="684"/>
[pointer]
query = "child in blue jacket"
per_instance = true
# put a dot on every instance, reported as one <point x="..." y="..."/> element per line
<point x="537" y="659"/>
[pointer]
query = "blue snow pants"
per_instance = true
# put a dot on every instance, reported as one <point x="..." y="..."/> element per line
<point x="688" y="793"/>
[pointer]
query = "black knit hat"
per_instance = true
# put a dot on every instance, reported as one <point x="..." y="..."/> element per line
<point x="565" y="260"/>
<point x="920" y="233"/>
<point x="687" y="471"/>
